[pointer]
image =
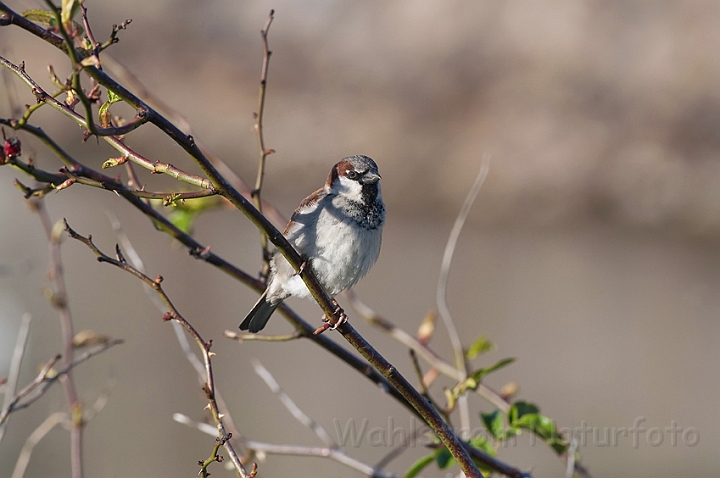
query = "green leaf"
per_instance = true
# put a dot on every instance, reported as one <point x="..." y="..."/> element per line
<point x="526" y="415"/>
<point x="419" y="465"/>
<point x="481" y="345"/>
<point x="173" y="200"/>
<point x="520" y="408"/>
<point x="479" y="374"/>
<point x="559" y="446"/>
<point x="443" y="458"/>
<point x="450" y="396"/>
<point x="43" y="17"/>
<point x="104" y="110"/>
<point x="183" y="219"/>
<point x="494" y="423"/>
<point x="68" y="11"/>
<point x="112" y="97"/>
<point x="483" y="444"/>
<point x="529" y="421"/>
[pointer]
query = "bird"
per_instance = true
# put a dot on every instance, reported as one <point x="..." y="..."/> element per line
<point x="338" y="232"/>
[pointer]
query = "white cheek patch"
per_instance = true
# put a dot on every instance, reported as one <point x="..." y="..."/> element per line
<point x="349" y="188"/>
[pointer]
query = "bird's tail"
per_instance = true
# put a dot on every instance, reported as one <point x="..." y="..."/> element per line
<point x="259" y="315"/>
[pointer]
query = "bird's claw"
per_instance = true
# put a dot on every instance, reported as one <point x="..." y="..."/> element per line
<point x="342" y="318"/>
<point x="302" y="267"/>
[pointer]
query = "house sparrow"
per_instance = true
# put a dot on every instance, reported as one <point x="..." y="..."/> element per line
<point x="337" y="229"/>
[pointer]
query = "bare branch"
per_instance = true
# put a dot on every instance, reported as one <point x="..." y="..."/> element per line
<point x="40" y="379"/>
<point x="129" y="78"/>
<point x="47" y="376"/>
<point x="262" y="338"/>
<point x="443" y="308"/>
<point x="108" y="134"/>
<point x="15" y="363"/>
<point x="272" y="449"/>
<point x="38" y="434"/>
<point x="422" y="350"/>
<point x="59" y="301"/>
<point x="136" y="261"/>
<point x="174" y="314"/>
<point x="294" y="410"/>
<point x="264" y="152"/>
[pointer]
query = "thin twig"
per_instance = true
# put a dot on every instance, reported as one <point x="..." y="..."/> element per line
<point x="422" y="350"/>
<point x="41" y="378"/>
<point x="293" y="450"/>
<point x="174" y="314"/>
<point x="261" y="337"/>
<point x="38" y="434"/>
<point x="59" y="300"/>
<point x="443" y="308"/>
<point x="15" y="363"/>
<point x="89" y="34"/>
<point x="570" y="468"/>
<point x="69" y="48"/>
<point x="294" y="410"/>
<point x="47" y="376"/>
<point x="108" y="134"/>
<point x="256" y="193"/>
<point x="423" y="387"/>
<point x="143" y="92"/>
<point x="136" y="261"/>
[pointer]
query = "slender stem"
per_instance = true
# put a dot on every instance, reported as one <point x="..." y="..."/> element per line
<point x="174" y="314"/>
<point x="262" y="338"/>
<point x="38" y="434"/>
<point x="76" y="66"/>
<point x="141" y="117"/>
<point x="261" y="140"/>
<point x="422" y="350"/>
<point x="37" y="388"/>
<point x="60" y="302"/>
<point x="15" y="364"/>
<point x="293" y="450"/>
<point x="443" y="308"/>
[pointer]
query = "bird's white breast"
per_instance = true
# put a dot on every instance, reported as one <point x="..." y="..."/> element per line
<point x="341" y="251"/>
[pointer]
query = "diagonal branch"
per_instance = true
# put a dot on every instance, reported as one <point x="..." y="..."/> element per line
<point x="261" y="139"/>
<point x="15" y="364"/>
<point x="127" y="153"/>
<point x="443" y="308"/>
<point x="47" y="376"/>
<point x="294" y="410"/>
<point x="294" y="450"/>
<point x="38" y="434"/>
<point x="174" y="314"/>
<point x="59" y="300"/>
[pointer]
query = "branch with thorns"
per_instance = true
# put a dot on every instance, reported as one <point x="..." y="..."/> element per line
<point x="173" y="314"/>
<point x="264" y="152"/>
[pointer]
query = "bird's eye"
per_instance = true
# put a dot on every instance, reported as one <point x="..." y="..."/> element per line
<point x="352" y="174"/>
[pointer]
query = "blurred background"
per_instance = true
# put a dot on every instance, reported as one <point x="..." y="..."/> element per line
<point x="591" y="253"/>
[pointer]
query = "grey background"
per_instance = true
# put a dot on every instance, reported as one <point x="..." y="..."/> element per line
<point x="590" y="255"/>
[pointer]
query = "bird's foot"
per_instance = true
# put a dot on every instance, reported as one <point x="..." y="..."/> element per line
<point x="302" y="266"/>
<point x="342" y="318"/>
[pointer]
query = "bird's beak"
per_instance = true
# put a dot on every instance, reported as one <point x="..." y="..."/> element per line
<point x="371" y="178"/>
